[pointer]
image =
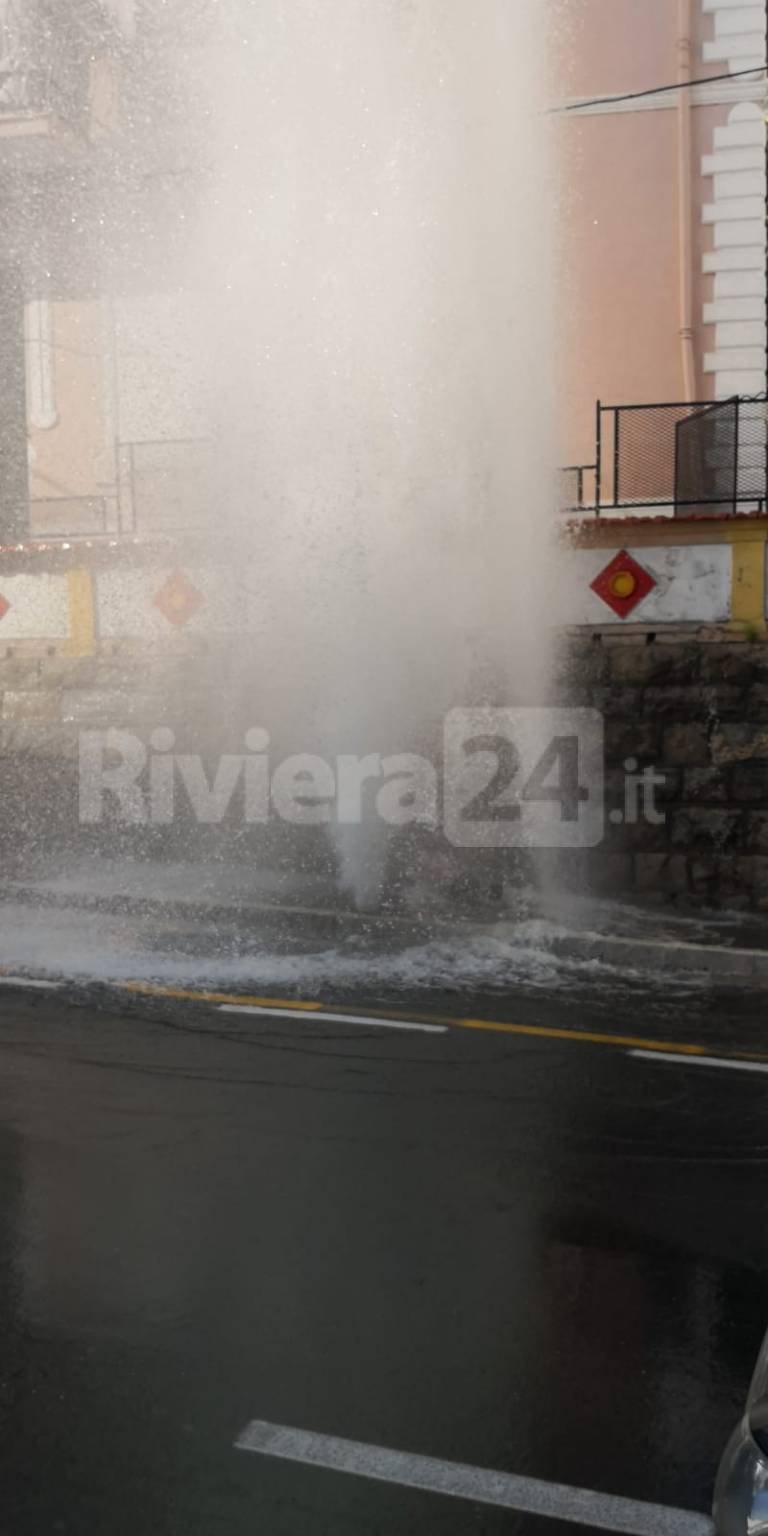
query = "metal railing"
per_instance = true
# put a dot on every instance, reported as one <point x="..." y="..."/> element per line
<point x="66" y="517"/>
<point x="23" y="89"/>
<point x="162" y="488"/>
<point x="165" y="486"/>
<point x="704" y="457"/>
<point x="674" y="459"/>
<point x="578" y="486"/>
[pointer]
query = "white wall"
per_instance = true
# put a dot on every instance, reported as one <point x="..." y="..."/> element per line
<point x="693" y="585"/>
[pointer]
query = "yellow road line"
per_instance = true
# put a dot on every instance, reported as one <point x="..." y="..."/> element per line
<point x="190" y="995"/>
<point x="489" y="1026"/>
<point x="587" y="1037"/>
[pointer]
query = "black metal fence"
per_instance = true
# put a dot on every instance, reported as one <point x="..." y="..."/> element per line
<point x="720" y="456"/>
<point x="162" y="488"/>
<point x="578" y="486"/>
<point x="165" y="487"/>
<point x="707" y="457"/>
<point x="64" y="517"/>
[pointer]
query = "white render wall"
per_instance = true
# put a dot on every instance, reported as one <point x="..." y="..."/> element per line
<point x="126" y="608"/>
<point x="161" y="377"/>
<point x="693" y="585"/>
<point x="737" y="210"/>
<point x="38" y="606"/>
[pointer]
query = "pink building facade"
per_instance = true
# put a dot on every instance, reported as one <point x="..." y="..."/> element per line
<point x="663" y="289"/>
<point x="664" y="259"/>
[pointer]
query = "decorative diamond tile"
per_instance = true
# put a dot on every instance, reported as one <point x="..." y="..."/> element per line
<point x="623" y="584"/>
<point x="178" y="600"/>
<point x="4" y="606"/>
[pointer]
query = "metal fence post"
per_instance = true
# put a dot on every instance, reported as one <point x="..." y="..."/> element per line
<point x="598" y="458"/>
<point x="737" y="404"/>
<point x="616" y="460"/>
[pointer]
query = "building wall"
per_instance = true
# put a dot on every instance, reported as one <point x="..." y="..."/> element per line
<point x="71" y="457"/>
<point x="617" y="45"/>
<point x="621" y="284"/>
<point x="103" y="372"/>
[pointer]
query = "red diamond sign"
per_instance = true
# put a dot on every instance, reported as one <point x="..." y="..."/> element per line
<point x="178" y="600"/>
<point x="4" y="606"/>
<point x="623" y="584"/>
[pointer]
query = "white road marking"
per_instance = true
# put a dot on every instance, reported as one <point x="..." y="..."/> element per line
<point x="702" y="1061"/>
<point x="29" y="981"/>
<point x="480" y="1485"/>
<point x="311" y="1016"/>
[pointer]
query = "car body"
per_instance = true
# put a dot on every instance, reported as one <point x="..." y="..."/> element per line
<point x="741" y="1491"/>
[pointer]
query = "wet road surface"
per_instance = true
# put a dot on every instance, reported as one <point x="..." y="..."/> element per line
<point x="529" y="1251"/>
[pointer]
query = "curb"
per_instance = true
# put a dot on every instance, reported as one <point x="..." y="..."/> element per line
<point x="721" y="962"/>
<point x="220" y="911"/>
<point x="657" y="954"/>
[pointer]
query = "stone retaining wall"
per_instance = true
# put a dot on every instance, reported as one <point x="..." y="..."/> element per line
<point x="695" y="707"/>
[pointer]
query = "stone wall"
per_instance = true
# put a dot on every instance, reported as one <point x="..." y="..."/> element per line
<point x="48" y="696"/>
<point x="696" y="707"/>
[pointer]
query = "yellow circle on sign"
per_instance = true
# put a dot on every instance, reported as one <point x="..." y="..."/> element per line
<point x="623" y="584"/>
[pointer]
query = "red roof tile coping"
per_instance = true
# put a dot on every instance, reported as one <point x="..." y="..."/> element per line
<point x="576" y="524"/>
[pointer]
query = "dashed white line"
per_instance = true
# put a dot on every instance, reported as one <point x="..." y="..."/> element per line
<point x="312" y="1015"/>
<point x="726" y="1062"/>
<point x="29" y="981"/>
<point x="528" y="1495"/>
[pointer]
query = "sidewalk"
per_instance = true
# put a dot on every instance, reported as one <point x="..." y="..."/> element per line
<point x="723" y="945"/>
<point x="227" y="898"/>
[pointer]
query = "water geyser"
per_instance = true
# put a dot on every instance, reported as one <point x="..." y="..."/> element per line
<point x="377" y="253"/>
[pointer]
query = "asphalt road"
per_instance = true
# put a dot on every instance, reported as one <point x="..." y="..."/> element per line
<point x="516" y="1248"/>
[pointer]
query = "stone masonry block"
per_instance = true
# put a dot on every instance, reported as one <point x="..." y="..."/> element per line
<point x="111" y="707"/>
<point x="705" y="786"/>
<point x="686" y="745"/>
<point x="33" y="704"/>
<point x="756" y="707"/>
<point x="580" y="663"/>
<point x="609" y="874"/>
<point x="631" y="738"/>
<point x="750" y="782"/>
<point x="683" y="703"/>
<point x="661" y="872"/>
<point x="618" y="703"/>
<point x="757" y="831"/>
<point x="672" y="788"/>
<point x="646" y="836"/>
<point x="752" y="870"/>
<point x="703" y="875"/>
<point x="741" y="665"/>
<point x="19" y="672"/>
<point x="739" y="743"/>
<point x="655" y="664"/>
<point x="707" y="827"/>
<point x="35" y="739"/>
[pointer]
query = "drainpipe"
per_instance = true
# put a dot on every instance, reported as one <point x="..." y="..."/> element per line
<point x="685" y="195"/>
